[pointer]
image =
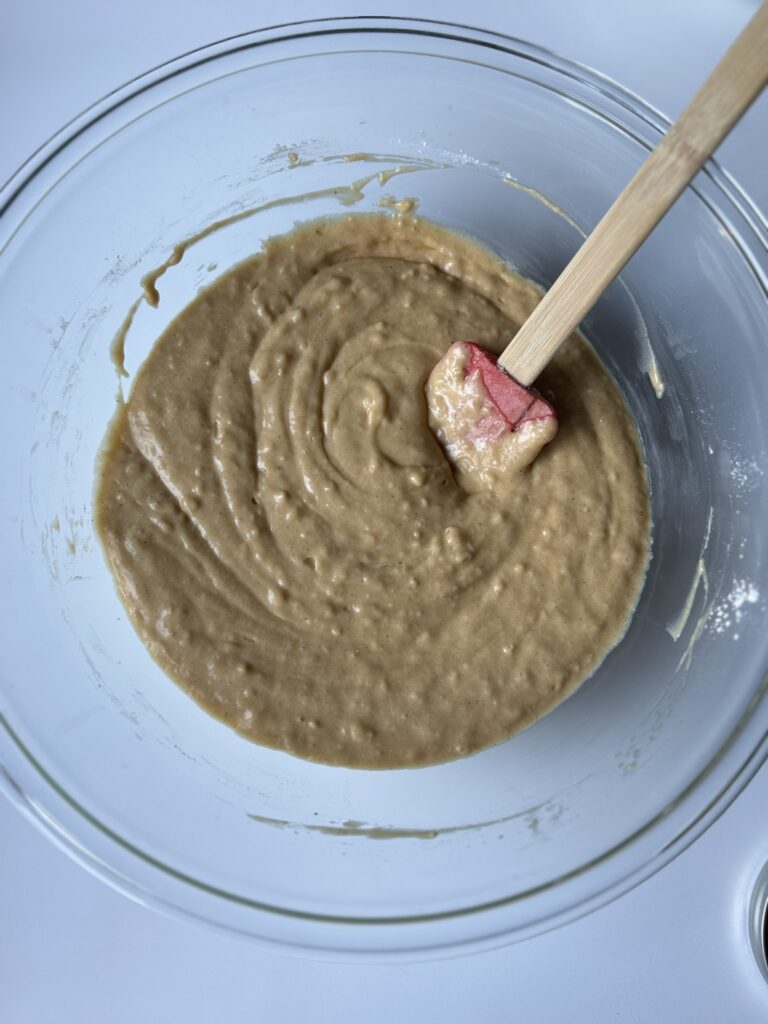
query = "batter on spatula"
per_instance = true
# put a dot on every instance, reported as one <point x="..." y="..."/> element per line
<point x="294" y="545"/>
<point x="489" y="425"/>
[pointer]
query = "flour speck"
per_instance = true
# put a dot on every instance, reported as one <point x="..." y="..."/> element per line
<point x="730" y="610"/>
<point x="745" y="474"/>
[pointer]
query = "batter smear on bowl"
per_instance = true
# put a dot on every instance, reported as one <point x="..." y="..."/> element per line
<point x="292" y="543"/>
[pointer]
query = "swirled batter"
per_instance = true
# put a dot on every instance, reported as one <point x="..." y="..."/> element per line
<point x="290" y="540"/>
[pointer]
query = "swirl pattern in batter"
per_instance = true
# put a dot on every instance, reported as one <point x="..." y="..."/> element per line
<point x="290" y="540"/>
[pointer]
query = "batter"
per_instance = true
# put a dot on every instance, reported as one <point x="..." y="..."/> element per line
<point x="292" y="543"/>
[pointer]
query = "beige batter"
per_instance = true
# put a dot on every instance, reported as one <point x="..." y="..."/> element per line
<point x="291" y="542"/>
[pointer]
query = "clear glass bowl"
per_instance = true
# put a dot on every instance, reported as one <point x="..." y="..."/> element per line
<point x="123" y="770"/>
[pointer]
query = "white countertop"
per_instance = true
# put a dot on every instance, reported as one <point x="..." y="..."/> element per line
<point x="674" y="949"/>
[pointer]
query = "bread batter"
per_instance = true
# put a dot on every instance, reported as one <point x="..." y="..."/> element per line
<point x="291" y="542"/>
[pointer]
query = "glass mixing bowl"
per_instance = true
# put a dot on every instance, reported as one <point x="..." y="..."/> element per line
<point x="523" y="150"/>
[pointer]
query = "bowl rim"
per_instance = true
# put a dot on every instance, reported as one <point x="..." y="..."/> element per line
<point x="752" y="218"/>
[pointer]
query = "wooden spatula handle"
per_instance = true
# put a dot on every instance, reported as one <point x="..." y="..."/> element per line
<point x="707" y="119"/>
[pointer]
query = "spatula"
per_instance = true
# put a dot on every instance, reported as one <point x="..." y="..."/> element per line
<point x="505" y="402"/>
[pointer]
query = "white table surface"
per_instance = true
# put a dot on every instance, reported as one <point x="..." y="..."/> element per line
<point x="675" y="949"/>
